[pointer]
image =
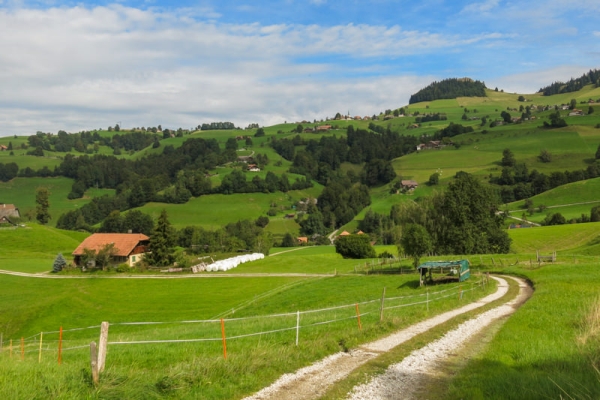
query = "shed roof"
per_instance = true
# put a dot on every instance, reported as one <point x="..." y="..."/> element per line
<point x="124" y="242"/>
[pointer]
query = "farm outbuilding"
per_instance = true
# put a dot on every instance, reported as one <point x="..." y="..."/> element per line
<point x="461" y="268"/>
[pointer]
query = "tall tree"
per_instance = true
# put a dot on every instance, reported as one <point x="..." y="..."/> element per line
<point x="42" y="196"/>
<point x="162" y="242"/>
<point x="508" y="158"/>
<point x="415" y="242"/>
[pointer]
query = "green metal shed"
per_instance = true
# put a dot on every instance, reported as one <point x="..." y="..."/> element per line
<point x="462" y="268"/>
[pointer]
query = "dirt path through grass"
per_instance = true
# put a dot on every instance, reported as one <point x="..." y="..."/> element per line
<point x="313" y="381"/>
<point x="48" y="275"/>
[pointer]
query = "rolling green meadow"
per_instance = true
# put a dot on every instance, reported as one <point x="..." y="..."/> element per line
<point x="166" y="330"/>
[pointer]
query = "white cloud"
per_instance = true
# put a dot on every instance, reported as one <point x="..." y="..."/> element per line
<point x="481" y="7"/>
<point x="80" y="68"/>
<point x="84" y="68"/>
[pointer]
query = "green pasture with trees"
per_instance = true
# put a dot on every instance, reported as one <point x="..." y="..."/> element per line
<point x="218" y="190"/>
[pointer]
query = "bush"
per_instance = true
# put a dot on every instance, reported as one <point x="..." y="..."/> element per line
<point x="122" y="268"/>
<point x="354" y="246"/>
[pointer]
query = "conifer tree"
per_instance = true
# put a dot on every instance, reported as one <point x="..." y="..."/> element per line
<point x="162" y="242"/>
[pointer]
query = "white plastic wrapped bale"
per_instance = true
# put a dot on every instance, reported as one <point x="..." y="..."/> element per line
<point x="229" y="263"/>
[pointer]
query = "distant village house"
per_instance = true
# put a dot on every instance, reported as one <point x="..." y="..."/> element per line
<point x="9" y="214"/>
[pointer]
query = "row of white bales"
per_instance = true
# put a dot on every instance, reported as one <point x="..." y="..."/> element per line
<point x="229" y="263"/>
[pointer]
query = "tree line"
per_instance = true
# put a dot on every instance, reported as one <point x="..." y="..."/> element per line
<point x="517" y="182"/>
<point x="573" y="85"/>
<point x="449" y="89"/>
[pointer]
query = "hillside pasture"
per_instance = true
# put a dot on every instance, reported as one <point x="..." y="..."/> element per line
<point x="216" y="210"/>
<point x="33" y="248"/>
<point x="21" y="192"/>
<point x="568" y="238"/>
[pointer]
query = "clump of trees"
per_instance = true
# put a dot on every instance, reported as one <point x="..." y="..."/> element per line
<point x="573" y="85"/>
<point x="354" y="246"/>
<point x="217" y="126"/>
<point x="449" y="89"/>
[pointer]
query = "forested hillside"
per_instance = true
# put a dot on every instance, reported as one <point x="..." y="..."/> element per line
<point x="573" y="85"/>
<point x="449" y="89"/>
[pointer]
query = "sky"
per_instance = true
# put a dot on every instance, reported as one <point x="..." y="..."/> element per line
<point x="76" y="65"/>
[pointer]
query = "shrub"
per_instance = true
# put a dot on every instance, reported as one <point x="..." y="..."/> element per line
<point x="354" y="246"/>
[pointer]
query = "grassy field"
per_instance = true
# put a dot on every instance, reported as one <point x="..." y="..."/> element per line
<point x="21" y="192"/>
<point x="548" y="349"/>
<point x="195" y="370"/>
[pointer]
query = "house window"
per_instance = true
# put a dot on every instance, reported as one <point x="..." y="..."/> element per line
<point x="132" y="258"/>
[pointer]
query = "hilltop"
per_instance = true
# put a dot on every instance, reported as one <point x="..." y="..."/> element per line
<point x="449" y="89"/>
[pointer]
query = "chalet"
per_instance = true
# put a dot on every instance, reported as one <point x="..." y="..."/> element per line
<point x="3" y="147"/>
<point x="302" y="240"/>
<point x="290" y="216"/>
<point x="433" y="144"/>
<point x="8" y="214"/>
<point x="358" y="118"/>
<point x="129" y="248"/>
<point x="323" y="128"/>
<point x="409" y="184"/>
<point x="575" y="113"/>
<point x="345" y="233"/>
<point x="308" y="130"/>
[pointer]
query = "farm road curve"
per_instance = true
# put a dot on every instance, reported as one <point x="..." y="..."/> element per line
<point x="313" y="381"/>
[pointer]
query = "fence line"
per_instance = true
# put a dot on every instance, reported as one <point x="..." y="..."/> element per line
<point x="18" y="346"/>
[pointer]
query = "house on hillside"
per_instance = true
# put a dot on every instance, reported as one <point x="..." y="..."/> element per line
<point x="302" y="240"/>
<point x="323" y="128"/>
<point x="9" y="214"/>
<point x="409" y="184"/>
<point x="129" y="248"/>
<point x="576" y="113"/>
<point x="3" y="147"/>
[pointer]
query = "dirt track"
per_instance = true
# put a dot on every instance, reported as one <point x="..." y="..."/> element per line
<point x="313" y="381"/>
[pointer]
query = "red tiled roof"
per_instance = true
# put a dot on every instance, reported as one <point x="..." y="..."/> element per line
<point x="124" y="242"/>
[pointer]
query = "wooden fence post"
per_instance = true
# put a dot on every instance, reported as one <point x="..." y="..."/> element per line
<point x="60" y="346"/>
<point x="102" y="346"/>
<point x="382" y="303"/>
<point x="94" y="363"/>
<point x="297" y="326"/>
<point x="224" y="340"/>
<point x="40" y="353"/>
<point x="358" y="317"/>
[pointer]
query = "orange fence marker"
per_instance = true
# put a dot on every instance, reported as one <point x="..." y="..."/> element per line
<point x="358" y="317"/>
<point x="60" y="347"/>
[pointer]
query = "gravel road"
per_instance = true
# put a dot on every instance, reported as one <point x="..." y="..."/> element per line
<point x="313" y="381"/>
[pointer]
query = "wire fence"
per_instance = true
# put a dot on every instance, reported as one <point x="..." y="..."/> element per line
<point x="285" y="326"/>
